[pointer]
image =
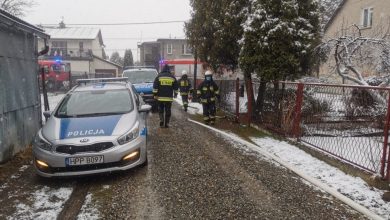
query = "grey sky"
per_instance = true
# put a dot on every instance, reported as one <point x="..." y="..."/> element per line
<point x="117" y="11"/>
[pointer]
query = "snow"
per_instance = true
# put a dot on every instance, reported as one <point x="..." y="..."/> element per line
<point x="45" y="203"/>
<point x="54" y="99"/>
<point x="353" y="187"/>
<point x="88" y="212"/>
<point x="23" y="168"/>
<point x="193" y="107"/>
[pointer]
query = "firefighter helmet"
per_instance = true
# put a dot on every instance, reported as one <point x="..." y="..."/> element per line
<point x="184" y="73"/>
<point x="208" y="73"/>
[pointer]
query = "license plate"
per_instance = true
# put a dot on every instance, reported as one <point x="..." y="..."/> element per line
<point x="77" y="161"/>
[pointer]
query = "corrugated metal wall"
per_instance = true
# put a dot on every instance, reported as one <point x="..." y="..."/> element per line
<point x="20" y="113"/>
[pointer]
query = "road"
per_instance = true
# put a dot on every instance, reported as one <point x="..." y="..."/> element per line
<point x="192" y="174"/>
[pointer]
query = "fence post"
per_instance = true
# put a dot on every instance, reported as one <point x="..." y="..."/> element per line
<point x="237" y="99"/>
<point x="385" y="144"/>
<point x="298" y="111"/>
<point x="250" y="98"/>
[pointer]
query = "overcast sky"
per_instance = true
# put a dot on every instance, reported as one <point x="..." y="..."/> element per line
<point x="117" y="11"/>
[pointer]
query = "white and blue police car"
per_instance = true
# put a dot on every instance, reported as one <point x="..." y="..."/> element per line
<point x="99" y="126"/>
<point x="142" y="78"/>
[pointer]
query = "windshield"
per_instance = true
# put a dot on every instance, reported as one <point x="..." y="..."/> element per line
<point x="140" y="76"/>
<point x="60" y="68"/>
<point x="95" y="103"/>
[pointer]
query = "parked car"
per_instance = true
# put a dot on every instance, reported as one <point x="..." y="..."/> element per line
<point x="142" y="78"/>
<point x="99" y="126"/>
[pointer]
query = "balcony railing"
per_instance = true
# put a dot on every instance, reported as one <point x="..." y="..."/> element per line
<point x="70" y="53"/>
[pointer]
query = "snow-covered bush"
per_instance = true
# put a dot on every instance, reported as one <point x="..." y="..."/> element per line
<point x="312" y="105"/>
<point x="362" y="104"/>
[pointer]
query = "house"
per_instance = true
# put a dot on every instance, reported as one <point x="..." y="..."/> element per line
<point x="20" y="105"/>
<point x="83" y="48"/>
<point x="370" y="18"/>
<point x="175" y="52"/>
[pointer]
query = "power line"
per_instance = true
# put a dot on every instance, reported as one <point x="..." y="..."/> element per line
<point x="119" y="24"/>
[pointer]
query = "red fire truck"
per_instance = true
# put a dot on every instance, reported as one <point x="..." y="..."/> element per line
<point x="57" y="74"/>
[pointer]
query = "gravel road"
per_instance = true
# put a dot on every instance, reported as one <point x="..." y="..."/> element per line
<point x="192" y="174"/>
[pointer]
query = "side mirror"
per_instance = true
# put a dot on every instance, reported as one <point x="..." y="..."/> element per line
<point x="145" y="108"/>
<point x="47" y="114"/>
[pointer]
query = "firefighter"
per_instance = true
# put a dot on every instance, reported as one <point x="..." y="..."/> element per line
<point x="185" y="89"/>
<point x="208" y="92"/>
<point x="165" y="87"/>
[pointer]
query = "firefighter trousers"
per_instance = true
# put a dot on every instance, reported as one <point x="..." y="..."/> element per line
<point x="209" y="111"/>
<point x="164" y="110"/>
<point x="184" y="98"/>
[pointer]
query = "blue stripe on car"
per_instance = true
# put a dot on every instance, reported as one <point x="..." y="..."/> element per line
<point x="144" y="131"/>
<point x="87" y="127"/>
<point x="146" y="88"/>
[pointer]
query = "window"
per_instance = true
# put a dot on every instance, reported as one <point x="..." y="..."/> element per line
<point x="367" y="17"/>
<point x="186" y="49"/>
<point x="59" y="48"/>
<point x="169" y="49"/>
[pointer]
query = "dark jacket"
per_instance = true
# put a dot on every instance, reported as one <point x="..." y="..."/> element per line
<point x="165" y="87"/>
<point x="208" y="91"/>
<point x="184" y="86"/>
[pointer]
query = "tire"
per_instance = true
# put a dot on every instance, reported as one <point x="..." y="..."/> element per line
<point x="145" y="164"/>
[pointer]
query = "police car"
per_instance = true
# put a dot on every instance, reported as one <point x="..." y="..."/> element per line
<point x="99" y="126"/>
<point x="142" y="78"/>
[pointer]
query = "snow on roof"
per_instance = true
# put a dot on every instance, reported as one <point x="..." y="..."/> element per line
<point x="85" y="33"/>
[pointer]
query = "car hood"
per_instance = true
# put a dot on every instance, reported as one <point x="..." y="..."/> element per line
<point x="102" y="127"/>
<point x="145" y="88"/>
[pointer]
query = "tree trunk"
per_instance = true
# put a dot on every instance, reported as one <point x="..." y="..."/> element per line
<point x="249" y="91"/>
<point x="260" y="99"/>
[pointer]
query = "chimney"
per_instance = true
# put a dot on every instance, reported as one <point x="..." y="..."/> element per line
<point x="62" y="23"/>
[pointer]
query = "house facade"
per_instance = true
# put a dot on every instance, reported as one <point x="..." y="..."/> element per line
<point x="370" y="18"/>
<point x="177" y="53"/>
<point x="83" y="48"/>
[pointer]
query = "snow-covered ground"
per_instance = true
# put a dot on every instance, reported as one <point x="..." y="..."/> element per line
<point x="193" y="107"/>
<point x="88" y="210"/>
<point x="43" y="204"/>
<point x="353" y="187"/>
<point x="364" y="151"/>
<point x="54" y="99"/>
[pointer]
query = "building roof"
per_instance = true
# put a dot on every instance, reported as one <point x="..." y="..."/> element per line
<point x="107" y="61"/>
<point x="171" y="39"/>
<point x="334" y="15"/>
<point x="77" y="33"/>
<point x="15" y="22"/>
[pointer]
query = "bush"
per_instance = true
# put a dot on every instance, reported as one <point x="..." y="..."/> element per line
<point x="361" y="104"/>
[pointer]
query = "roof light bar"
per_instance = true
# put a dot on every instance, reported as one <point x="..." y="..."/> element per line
<point x="102" y="80"/>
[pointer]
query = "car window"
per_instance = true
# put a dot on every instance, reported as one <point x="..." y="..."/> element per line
<point x="140" y="76"/>
<point x="95" y="103"/>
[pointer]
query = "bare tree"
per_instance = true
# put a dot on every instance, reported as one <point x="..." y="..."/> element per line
<point x="16" y="7"/>
<point x="357" y="56"/>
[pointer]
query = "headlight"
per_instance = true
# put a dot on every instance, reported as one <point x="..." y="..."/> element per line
<point x="41" y="143"/>
<point x="131" y="135"/>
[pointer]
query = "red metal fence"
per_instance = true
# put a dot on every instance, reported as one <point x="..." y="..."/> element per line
<point x="348" y="122"/>
<point x="233" y="97"/>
